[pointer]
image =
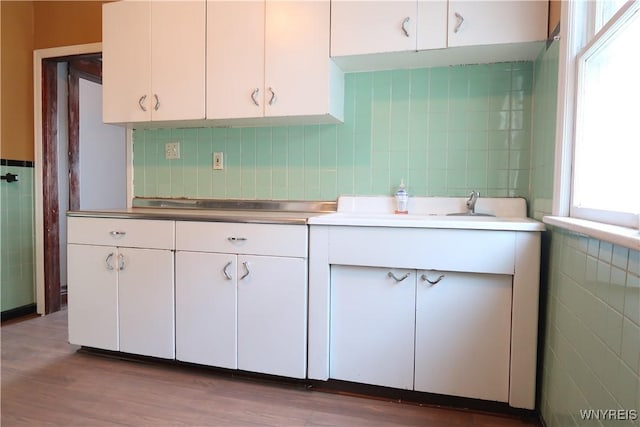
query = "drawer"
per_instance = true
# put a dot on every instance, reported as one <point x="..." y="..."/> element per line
<point x="480" y="251"/>
<point x="247" y="239"/>
<point x="130" y="233"/>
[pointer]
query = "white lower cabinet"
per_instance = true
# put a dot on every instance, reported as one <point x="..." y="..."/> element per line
<point x="272" y="315"/>
<point x="372" y="322"/>
<point x="241" y="296"/>
<point x="121" y="298"/>
<point x="206" y="309"/>
<point x="392" y="327"/>
<point x="463" y="334"/>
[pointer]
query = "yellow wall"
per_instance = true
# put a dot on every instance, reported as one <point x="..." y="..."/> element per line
<point x="29" y="25"/>
<point x="65" y="23"/>
<point x="17" y="81"/>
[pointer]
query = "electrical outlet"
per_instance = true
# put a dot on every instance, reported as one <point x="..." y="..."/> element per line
<point x="218" y="160"/>
<point x="172" y="150"/>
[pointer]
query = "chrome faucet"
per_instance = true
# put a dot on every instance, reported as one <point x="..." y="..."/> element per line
<point x="471" y="203"/>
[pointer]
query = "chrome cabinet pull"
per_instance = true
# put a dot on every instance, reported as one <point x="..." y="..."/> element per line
<point x="273" y="98"/>
<point x="459" y="21"/>
<point x="155" y="107"/>
<point x="432" y="282"/>
<point x="254" y="96"/>
<point x="121" y="262"/>
<point x="117" y="234"/>
<point x="107" y="261"/>
<point x="246" y="267"/>
<point x="236" y="239"/>
<point x="396" y="278"/>
<point x="226" y="273"/>
<point x="404" y="26"/>
<point x="141" y="102"/>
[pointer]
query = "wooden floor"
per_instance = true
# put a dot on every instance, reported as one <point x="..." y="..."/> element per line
<point x="45" y="381"/>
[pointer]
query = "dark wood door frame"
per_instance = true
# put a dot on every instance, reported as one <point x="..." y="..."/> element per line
<point x="80" y="66"/>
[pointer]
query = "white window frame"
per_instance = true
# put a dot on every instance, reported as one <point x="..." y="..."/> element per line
<point x="575" y="39"/>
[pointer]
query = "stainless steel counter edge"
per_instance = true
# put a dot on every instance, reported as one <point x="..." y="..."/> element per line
<point x="191" y="215"/>
<point x="306" y="206"/>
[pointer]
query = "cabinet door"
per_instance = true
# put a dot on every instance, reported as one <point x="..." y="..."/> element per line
<point x="272" y="315"/>
<point x="235" y="59"/>
<point x="492" y="22"/>
<point x="372" y="326"/>
<point x="297" y="66"/>
<point x="463" y="330"/>
<point x="361" y="27"/>
<point x="93" y="296"/>
<point x="432" y="24"/>
<point x="206" y="301"/>
<point x="126" y="62"/>
<point x="178" y="60"/>
<point x="146" y="302"/>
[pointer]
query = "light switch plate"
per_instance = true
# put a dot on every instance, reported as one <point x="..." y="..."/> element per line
<point x="172" y="150"/>
<point x="218" y="160"/>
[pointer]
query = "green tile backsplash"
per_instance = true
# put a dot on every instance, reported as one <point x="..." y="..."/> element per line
<point x="16" y="235"/>
<point x="446" y="131"/>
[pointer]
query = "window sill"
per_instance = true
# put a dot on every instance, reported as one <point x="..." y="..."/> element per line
<point x="622" y="236"/>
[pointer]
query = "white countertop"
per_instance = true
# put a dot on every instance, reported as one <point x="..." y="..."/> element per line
<point x="431" y="212"/>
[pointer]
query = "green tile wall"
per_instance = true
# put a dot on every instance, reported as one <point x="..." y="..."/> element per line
<point x="446" y="131"/>
<point x="592" y="336"/>
<point x="545" y="90"/>
<point x="16" y="239"/>
<point x="591" y="341"/>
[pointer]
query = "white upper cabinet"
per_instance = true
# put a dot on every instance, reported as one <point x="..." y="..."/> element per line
<point x="369" y="35"/>
<point x="235" y="59"/>
<point x="372" y="27"/>
<point x="496" y="22"/>
<point x="153" y="61"/>
<point x="271" y="59"/>
<point x="359" y="27"/>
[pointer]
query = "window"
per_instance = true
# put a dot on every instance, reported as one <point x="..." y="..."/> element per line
<point x="606" y="160"/>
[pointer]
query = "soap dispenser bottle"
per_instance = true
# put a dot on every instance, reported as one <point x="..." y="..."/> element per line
<point x="402" y="199"/>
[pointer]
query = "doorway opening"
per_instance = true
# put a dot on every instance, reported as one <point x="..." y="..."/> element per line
<point x="72" y="139"/>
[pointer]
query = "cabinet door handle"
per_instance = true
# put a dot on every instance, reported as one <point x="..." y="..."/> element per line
<point x="236" y="239"/>
<point x="121" y="262"/>
<point x="404" y="26"/>
<point x="141" y="102"/>
<point x="226" y="273"/>
<point x="459" y="21"/>
<point x="117" y="234"/>
<point x="254" y="96"/>
<point x="155" y="107"/>
<point x="273" y="98"/>
<point x="432" y="282"/>
<point x="396" y="278"/>
<point x="247" y="271"/>
<point x="107" y="261"/>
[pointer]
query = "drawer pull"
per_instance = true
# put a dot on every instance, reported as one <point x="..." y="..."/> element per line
<point x="120" y="262"/>
<point x="432" y="282"/>
<point x="246" y="267"/>
<point x="396" y="278"/>
<point x="117" y="234"/>
<point x="236" y="239"/>
<point x="107" y="261"/>
<point x="226" y="273"/>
